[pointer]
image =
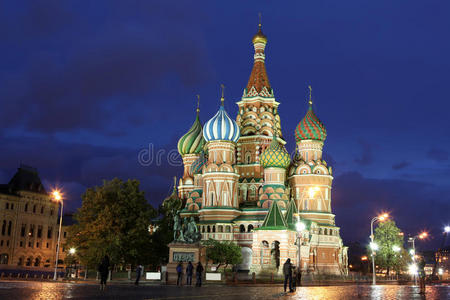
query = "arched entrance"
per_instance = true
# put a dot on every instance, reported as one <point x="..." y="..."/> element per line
<point x="246" y="258"/>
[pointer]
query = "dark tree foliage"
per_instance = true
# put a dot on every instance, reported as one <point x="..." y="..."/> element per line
<point x="113" y="220"/>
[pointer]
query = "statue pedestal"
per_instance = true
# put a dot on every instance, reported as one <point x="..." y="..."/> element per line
<point x="184" y="253"/>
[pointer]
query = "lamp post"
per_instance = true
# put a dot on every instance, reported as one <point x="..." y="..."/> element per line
<point x="373" y="245"/>
<point x="413" y="251"/>
<point x="300" y="226"/>
<point x="58" y="197"/>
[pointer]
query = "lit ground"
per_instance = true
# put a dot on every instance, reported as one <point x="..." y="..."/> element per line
<point x="49" y="290"/>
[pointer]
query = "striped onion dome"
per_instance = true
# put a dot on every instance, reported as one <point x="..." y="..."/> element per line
<point x="310" y="127"/>
<point x="275" y="156"/>
<point x="192" y="142"/>
<point x="221" y="127"/>
<point x="197" y="165"/>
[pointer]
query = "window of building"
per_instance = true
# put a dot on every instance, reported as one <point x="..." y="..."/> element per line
<point x="37" y="262"/>
<point x="65" y="234"/>
<point x="49" y="233"/>
<point x="28" y="263"/>
<point x="22" y="230"/>
<point x="42" y="210"/>
<point x="34" y="208"/>
<point x="26" y="207"/>
<point x="9" y="228"/>
<point x="39" y="231"/>
<point x="242" y="228"/>
<point x="7" y="243"/>
<point x="21" y="244"/>
<point x="12" y="205"/>
<point x="47" y="245"/>
<point x="4" y="259"/>
<point x="51" y="212"/>
<point x="4" y="227"/>
<point x="20" y="263"/>
<point x="31" y="231"/>
<point x="7" y="205"/>
<point x="250" y="228"/>
<point x="1" y="243"/>
<point x="37" y="245"/>
<point x="30" y="244"/>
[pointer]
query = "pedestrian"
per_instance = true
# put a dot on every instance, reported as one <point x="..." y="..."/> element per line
<point x="421" y="269"/>
<point x="287" y="272"/>
<point x="198" y="273"/>
<point x="103" y="269"/>
<point x="189" y="271"/>
<point x="180" y="274"/>
<point x="294" y="278"/>
<point x="139" y="269"/>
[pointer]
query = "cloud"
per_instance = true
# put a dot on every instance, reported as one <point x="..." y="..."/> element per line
<point x="400" y="165"/>
<point x="83" y="75"/>
<point x="366" y="157"/>
<point x="438" y="155"/>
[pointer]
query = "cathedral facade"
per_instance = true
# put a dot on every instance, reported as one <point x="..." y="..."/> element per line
<point x="243" y="186"/>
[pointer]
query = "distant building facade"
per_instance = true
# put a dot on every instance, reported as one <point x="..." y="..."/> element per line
<point x="28" y="221"/>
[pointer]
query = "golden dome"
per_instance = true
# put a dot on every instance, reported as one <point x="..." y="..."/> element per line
<point x="259" y="37"/>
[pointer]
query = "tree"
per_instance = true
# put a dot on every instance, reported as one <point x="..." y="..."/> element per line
<point x="227" y="252"/>
<point x="113" y="220"/>
<point x="390" y="253"/>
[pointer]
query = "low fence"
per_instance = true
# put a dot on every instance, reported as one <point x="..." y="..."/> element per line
<point x="38" y="273"/>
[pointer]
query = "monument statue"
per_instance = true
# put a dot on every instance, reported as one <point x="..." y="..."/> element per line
<point x="186" y="231"/>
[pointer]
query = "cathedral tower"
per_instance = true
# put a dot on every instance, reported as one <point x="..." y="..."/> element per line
<point x="220" y="179"/>
<point x="189" y="146"/>
<point x="258" y="119"/>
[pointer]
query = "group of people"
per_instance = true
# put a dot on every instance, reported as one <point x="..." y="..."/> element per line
<point x="189" y="272"/>
<point x="292" y="275"/>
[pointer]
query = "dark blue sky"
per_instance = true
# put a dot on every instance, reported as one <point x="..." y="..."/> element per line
<point x="85" y="86"/>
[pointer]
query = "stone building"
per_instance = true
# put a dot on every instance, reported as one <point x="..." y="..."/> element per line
<point x="243" y="186"/>
<point x="28" y="221"/>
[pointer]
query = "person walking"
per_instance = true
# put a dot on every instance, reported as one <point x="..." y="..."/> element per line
<point x="287" y="272"/>
<point x="198" y="273"/>
<point x="189" y="271"/>
<point x="180" y="274"/>
<point x="421" y="269"/>
<point x="103" y="269"/>
<point x="139" y="270"/>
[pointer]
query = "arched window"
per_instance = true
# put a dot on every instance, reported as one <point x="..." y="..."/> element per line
<point x="214" y="228"/>
<point x="203" y="228"/>
<point x="42" y="209"/>
<point x="20" y="262"/>
<point x="242" y="228"/>
<point x="220" y="228"/>
<point x="26" y="207"/>
<point x="29" y="260"/>
<point x="228" y="228"/>
<point x="37" y="261"/>
<point x="209" y="229"/>
<point x="250" y="228"/>
<point x="248" y="157"/>
<point x="34" y="208"/>
<point x="9" y="228"/>
<point x="4" y="259"/>
<point x="4" y="227"/>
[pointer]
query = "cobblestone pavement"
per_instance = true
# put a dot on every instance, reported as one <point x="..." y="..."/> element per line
<point x="10" y="290"/>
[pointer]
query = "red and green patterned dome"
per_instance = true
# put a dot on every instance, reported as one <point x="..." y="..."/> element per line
<point x="310" y="127"/>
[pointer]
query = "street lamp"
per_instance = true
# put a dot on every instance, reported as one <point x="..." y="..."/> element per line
<point x="72" y="251"/>
<point x="412" y="239"/>
<point x="58" y="197"/>
<point x="373" y="245"/>
<point x="300" y="226"/>
<point x="396" y="248"/>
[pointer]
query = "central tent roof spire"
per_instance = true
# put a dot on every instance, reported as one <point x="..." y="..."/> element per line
<point x="258" y="83"/>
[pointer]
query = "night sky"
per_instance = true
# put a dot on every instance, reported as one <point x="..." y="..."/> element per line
<point x="85" y="86"/>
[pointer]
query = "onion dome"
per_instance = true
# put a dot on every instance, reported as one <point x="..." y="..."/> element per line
<point x="221" y="127"/>
<point x="259" y="37"/>
<point x="197" y="165"/>
<point x="192" y="142"/>
<point x="310" y="127"/>
<point x="275" y="156"/>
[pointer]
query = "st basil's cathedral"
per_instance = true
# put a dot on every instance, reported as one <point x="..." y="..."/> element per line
<point x="241" y="184"/>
